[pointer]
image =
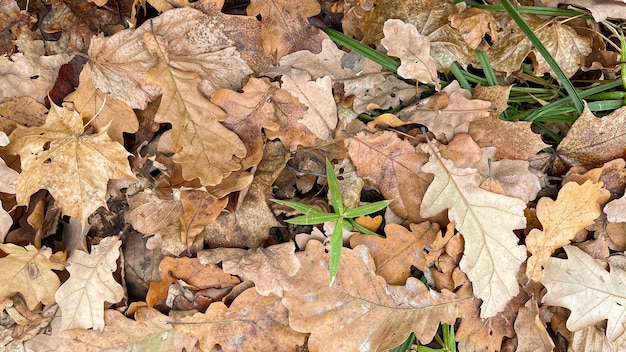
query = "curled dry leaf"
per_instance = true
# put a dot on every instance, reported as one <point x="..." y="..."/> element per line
<point x="402" y="40"/>
<point x="91" y="283"/>
<point x="360" y="309"/>
<point x="592" y="294"/>
<point x="58" y="155"/>
<point x="486" y="220"/>
<point x="532" y="335"/>
<point x="269" y="268"/>
<point x="29" y="271"/>
<point x="576" y="207"/>
<point x="251" y="323"/>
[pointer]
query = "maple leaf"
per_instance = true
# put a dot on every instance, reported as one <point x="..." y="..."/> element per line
<point x="269" y="268"/>
<point x="252" y="322"/>
<point x="91" y="283"/>
<point x="446" y="113"/>
<point x="394" y="166"/>
<point x="208" y="150"/>
<point x="580" y="284"/>
<point x="360" y="309"/>
<point x="73" y="166"/>
<point x="284" y="26"/>
<point x="29" y="271"/>
<point x="592" y="141"/>
<point x="402" y="248"/>
<point x="576" y="207"/>
<point x="486" y="220"/>
<point x="149" y="331"/>
<point x="402" y="40"/>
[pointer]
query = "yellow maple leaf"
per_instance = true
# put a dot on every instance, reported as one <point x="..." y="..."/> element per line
<point x="73" y="166"/>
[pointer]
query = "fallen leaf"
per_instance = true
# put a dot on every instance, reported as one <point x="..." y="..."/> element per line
<point x="57" y="153"/>
<point x="29" y="271"/>
<point x="360" y="311"/>
<point x="532" y="335"/>
<point x="149" y="212"/>
<point x="199" y="209"/>
<point x="600" y="9"/>
<point x="576" y="207"/>
<point x="616" y="210"/>
<point x="402" y="248"/>
<point x="591" y="293"/>
<point x="473" y="24"/>
<point x="402" y="40"/>
<point x="252" y="322"/>
<point x="394" y="166"/>
<point x="486" y="220"/>
<point x="91" y="283"/>
<point x="269" y="268"/>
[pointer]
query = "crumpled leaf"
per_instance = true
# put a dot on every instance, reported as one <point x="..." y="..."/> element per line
<point x="403" y="41"/>
<point x="269" y="268"/>
<point x="91" y="283"/>
<point x="593" y="141"/>
<point x="473" y="24"/>
<point x="576" y="207"/>
<point x="531" y="332"/>
<point x="29" y="271"/>
<point x="394" y="166"/>
<point x="360" y="309"/>
<point x="592" y="294"/>
<point x="74" y="167"/>
<point x="446" y="113"/>
<point x="401" y="248"/>
<point x="251" y="323"/>
<point x="486" y="220"/>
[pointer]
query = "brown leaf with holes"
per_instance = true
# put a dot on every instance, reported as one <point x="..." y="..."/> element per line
<point x="395" y="254"/>
<point x="360" y="309"/>
<point x="395" y="167"/>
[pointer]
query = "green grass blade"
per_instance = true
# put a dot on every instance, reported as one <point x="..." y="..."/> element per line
<point x="333" y="189"/>
<point x="364" y="50"/>
<point x="303" y="208"/>
<point x="459" y="74"/>
<point x="313" y="218"/>
<point x="536" y="10"/>
<point x="567" y="84"/>
<point x="406" y="345"/>
<point x="336" y="243"/>
<point x="367" y="209"/>
<point x="487" y="69"/>
<point x="361" y="228"/>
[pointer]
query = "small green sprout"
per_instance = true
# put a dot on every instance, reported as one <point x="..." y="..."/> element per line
<point x="343" y="217"/>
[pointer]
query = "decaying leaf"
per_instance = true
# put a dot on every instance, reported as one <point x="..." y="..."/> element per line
<point x="252" y="322"/>
<point x="360" y="309"/>
<point x="91" y="283"/>
<point x="576" y="207"/>
<point x="73" y="166"/>
<point x="591" y="293"/>
<point x="269" y="268"/>
<point x="29" y="271"/>
<point x="486" y="220"/>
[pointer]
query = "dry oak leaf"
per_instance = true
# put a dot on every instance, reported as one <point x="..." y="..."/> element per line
<point x="592" y="294"/>
<point x="91" y="283"/>
<point x="103" y="111"/>
<point x="402" y="40"/>
<point x="513" y="140"/>
<point x="150" y="331"/>
<point x="576" y="207"/>
<point x="149" y="212"/>
<point x="492" y="257"/>
<point x="29" y="271"/>
<point x="430" y="17"/>
<point x="268" y="267"/>
<point x="360" y="311"/>
<point x="473" y="24"/>
<point x="284" y="26"/>
<point x="394" y="166"/>
<point x="251" y="323"/>
<point x="192" y="272"/>
<point x="395" y="254"/>
<point x="206" y="149"/>
<point x="616" y="210"/>
<point x="446" y="113"/>
<point x="593" y="141"/>
<point x="199" y="209"/>
<point x="248" y="226"/>
<point x="73" y="166"/>
<point x="531" y="332"/>
<point x="594" y="338"/>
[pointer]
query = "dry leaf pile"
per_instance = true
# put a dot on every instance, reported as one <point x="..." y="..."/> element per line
<point x="140" y="153"/>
